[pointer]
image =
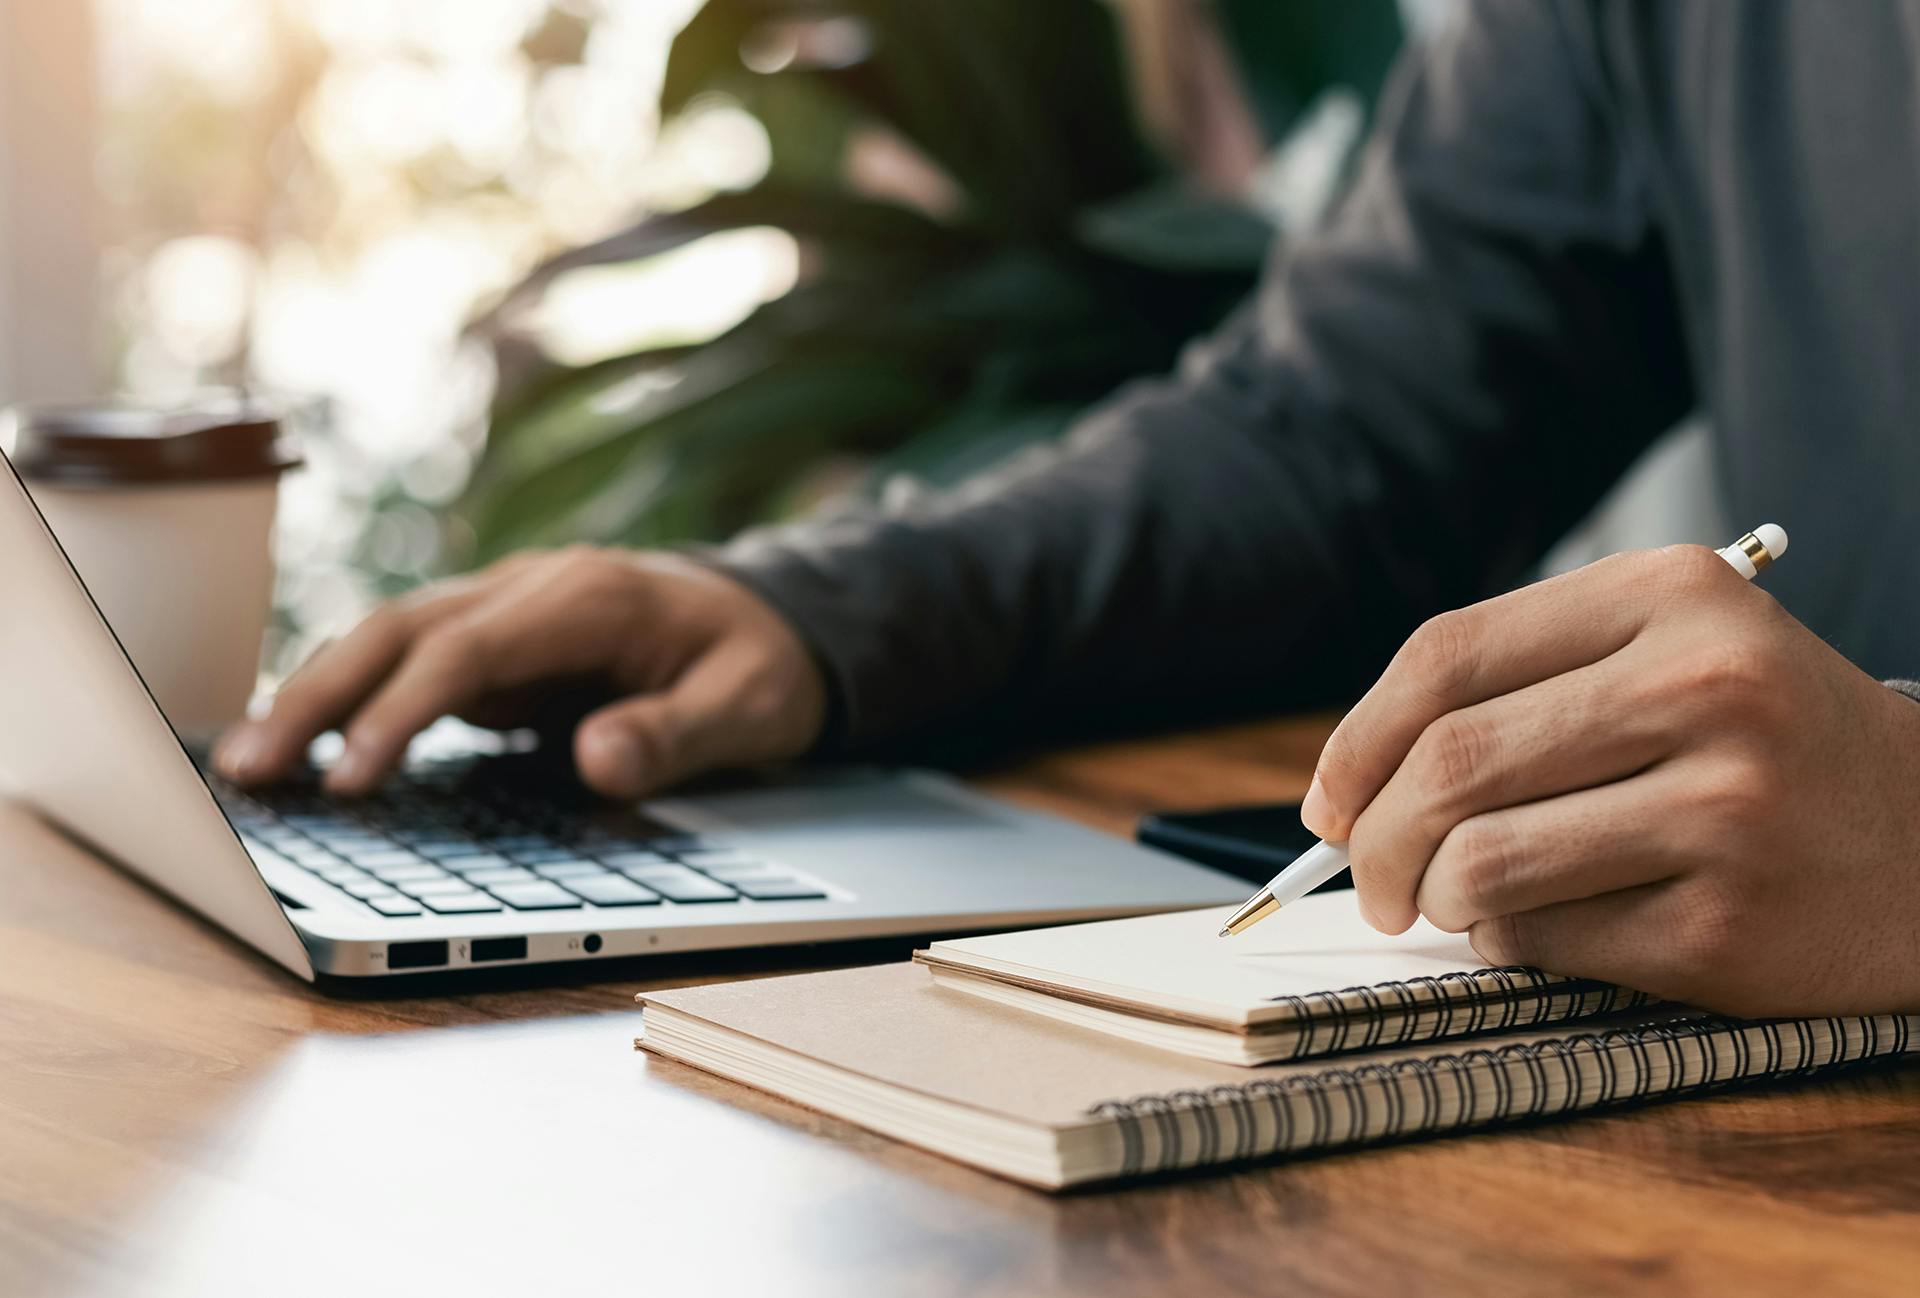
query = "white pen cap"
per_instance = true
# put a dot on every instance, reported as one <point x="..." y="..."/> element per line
<point x="1756" y="550"/>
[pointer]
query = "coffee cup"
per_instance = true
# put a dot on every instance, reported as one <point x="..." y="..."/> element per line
<point x="167" y="514"/>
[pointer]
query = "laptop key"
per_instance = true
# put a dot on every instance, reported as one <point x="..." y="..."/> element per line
<point x="347" y="844"/>
<point x="603" y="842"/>
<point x="442" y="887"/>
<point x="442" y="848"/>
<point x="407" y="873"/>
<point x="341" y="875"/>
<point x="569" y="869"/>
<point x="394" y="904"/>
<point x="777" y="888"/>
<point x="265" y="856"/>
<point x="507" y="874"/>
<point x="477" y="861"/>
<point x="468" y="903"/>
<point x="539" y="895"/>
<point x="633" y="860"/>
<point x="522" y="843"/>
<point x="372" y="859"/>
<point x="542" y="855"/>
<point x="613" y="890"/>
<point x="319" y="826"/>
<point x="705" y="857"/>
<point x="367" y="889"/>
<point x="677" y="883"/>
<point x="740" y="869"/>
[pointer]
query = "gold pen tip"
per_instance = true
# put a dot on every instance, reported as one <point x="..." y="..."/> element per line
<point x="1256" y="908"/>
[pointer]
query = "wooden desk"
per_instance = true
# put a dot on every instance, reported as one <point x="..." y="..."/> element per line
<point x="177" y="1117"/>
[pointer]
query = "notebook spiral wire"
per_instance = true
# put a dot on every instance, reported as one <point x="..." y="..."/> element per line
<point x="1491" y="1000"/>
<point x="1448" y="1091"/>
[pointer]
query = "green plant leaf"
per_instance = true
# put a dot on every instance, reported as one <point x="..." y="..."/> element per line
<point x="607" y="404"/>
<point x="880" y="231"/>
<point x="911" y="345"/>
<point x="567" y="407"/>
<point x="790" y="404"/>
<point x="523" y="399"/>
<point x="1046" y="122"/>
<point x="1291" y="52"/>
<point x="1177" y="228"/>
<point x="878" y="228"/>
<point x="808" y="124"/>
<point x="706" y="52"/>
<point x="1027" y="108"/>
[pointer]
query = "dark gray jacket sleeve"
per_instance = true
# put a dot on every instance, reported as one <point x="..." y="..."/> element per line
<point x="1420" y="398"/>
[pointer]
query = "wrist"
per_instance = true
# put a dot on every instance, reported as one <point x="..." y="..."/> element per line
<point x="830" y="728"/>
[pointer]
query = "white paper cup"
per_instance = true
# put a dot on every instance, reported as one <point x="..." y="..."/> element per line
<point x="168" y="517"/>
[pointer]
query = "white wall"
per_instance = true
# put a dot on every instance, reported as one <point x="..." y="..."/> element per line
<point x="49" y="213"/>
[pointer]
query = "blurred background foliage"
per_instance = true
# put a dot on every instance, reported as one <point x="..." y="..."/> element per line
<point x="650" y="270"/>
<point x="999" y="211"/>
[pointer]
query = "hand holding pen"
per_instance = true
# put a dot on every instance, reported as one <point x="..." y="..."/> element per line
<point x="1645" y="771"/>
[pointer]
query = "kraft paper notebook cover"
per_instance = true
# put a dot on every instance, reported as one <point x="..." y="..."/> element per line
<point x="1053" y="1105"/>
<point x="1313" y="979"/>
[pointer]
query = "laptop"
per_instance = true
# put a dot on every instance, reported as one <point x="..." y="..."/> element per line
<point x="479" y="860"/>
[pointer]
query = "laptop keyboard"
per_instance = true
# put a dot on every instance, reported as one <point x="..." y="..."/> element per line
<point x="448" y="840"/>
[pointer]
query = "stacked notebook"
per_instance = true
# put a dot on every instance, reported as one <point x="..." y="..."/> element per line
<point x="1102" y="1051"/>
<point x="1313" y="980"/>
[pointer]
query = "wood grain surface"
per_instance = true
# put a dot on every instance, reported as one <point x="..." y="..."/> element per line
<point x="178" y="1117"/>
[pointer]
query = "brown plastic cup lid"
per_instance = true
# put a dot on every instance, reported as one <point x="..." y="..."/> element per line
<point x="112" y="444"/>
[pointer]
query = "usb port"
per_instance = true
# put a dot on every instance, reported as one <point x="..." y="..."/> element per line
<point x="416" y="955"/>
<point x="499" y="948"/>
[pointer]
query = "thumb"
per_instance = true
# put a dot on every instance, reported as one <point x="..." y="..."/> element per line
<point x="645" y="743"/>
<point x="637" y="746"/>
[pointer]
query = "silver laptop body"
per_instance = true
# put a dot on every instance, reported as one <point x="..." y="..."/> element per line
<point x="823" y="857"/>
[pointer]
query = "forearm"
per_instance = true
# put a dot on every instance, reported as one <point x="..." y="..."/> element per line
<point x="1161" y="556"/>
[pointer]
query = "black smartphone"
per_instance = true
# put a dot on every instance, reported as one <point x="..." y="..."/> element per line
<point x="1254" y="843"/>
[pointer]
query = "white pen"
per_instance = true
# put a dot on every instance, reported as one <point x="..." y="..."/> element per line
<point x="1749" y="556"/>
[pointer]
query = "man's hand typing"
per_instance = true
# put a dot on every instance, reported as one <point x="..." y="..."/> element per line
<point x="702" y="672"/>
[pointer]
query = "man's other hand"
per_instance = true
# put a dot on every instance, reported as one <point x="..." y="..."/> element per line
<point x="1645" y="772"/>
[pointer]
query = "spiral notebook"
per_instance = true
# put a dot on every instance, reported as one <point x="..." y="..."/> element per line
<point x="1314" y="979"/>
<point x="1055" y="1105"/>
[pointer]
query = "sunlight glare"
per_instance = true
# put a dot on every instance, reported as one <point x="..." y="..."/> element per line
<point x="687" y="295"/>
